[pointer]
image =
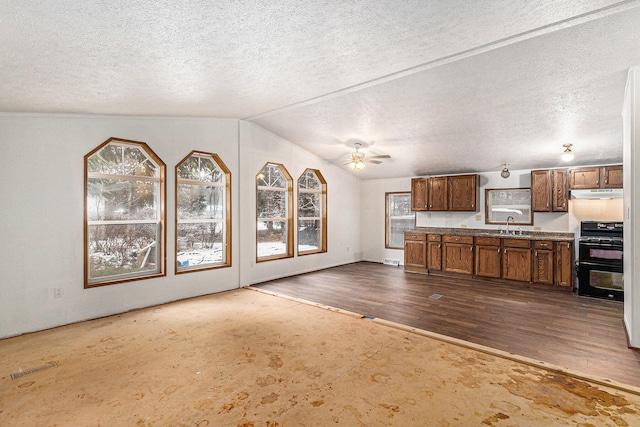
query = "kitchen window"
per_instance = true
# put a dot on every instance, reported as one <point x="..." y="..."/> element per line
<point x="312" y="213"/>
<point x="124" y="213"/>
<point x="398" y="218"/>
<point x="274" y="219"/>
<point x="203" y="213"/>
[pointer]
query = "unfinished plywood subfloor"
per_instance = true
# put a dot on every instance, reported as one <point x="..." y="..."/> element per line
<point x="247" y="358"/>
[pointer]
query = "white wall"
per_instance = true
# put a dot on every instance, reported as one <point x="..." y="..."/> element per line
<point x="41" y="220"/>
<point x="373" y="218"/>
<point x="343" y="206"/>
<point x="373" y="212"/>
<point x="631" y="184"/>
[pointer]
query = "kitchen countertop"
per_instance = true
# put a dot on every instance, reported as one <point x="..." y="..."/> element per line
<point x="485" y="232"/>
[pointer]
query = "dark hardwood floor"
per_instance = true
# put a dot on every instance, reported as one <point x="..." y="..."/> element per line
<point x="554" y="326"/>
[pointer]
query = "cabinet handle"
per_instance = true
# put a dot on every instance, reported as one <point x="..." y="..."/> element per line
<point x="597" y="181"/>
<point x="606" y="180"/>
<point x="535" y="253"/>
<point x="439" y="245"/>
<point x="498" y="250"/>
<point x="457" y="238"/>
<point x="547" y="204"/>
<point x="544" y="245"/>
<point x="471" y="248"/>
<point x="473" y="205"/>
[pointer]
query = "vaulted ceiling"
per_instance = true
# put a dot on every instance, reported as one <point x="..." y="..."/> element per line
<point x="442" y="86"/>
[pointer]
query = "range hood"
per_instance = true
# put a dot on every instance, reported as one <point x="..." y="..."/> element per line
<point x="605" y="193"/>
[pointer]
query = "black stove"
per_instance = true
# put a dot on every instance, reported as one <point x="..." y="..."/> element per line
<point x="600" y="256"/>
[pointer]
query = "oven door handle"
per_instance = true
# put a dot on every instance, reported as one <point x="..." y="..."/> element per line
<point x="607" y="267"/>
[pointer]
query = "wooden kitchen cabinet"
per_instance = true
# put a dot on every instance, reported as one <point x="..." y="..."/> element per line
<point x="564" y="264"/>
<point x="463" y="193"/>
<point x="438" y="193"/>
<point x="415" y="252"/>
<point x="457" y="254"/>
<point x="488" y="257"/>
<point x="549" y="190"/>
<point x="584" y="178"/>
<point x="516" y="260"/>
<point x="419" y="194"/>
<point x="611" y="176"/>
<point x="543" y="262"/>
<point x="434" y="252"/>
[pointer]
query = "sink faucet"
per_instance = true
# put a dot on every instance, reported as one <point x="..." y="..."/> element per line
<point x="509" y="218"/>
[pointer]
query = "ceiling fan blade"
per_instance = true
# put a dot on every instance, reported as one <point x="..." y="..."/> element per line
<point x="377" y="162"/>
<point x="384" y="156"/>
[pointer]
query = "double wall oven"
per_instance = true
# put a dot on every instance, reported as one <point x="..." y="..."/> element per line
<point x="600" y="264"/>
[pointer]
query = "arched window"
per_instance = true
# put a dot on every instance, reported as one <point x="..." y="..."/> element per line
<point x="124" y="213"/>
<point x="203" y="213"/>
<point x="274" y="218"/>
<point x="312" y="213"/>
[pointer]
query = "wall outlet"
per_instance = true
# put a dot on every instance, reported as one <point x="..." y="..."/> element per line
<point x="537" y="228"/>
<point x="58" y="292"/>
<point x="463" y="225"/>
<point x="478" y="217"/>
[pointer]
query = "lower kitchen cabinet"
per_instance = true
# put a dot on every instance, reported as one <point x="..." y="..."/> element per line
<point x="564" y="264"/>
<point x="457" y="254"/>
<point x="415" y="252"/>
<point x="488" y="257"/>
<point x="434" y="252"/>
<point x="543" y="262"/>
<point x="516" y="260"/>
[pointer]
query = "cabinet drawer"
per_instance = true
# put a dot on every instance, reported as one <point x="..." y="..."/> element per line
<point x="434" y="237"/>
<point x="487" y="241"/>
<point x="516" y="243"/>
<point x="415" y="236"/>
<point x="458" y="239"/>
<point x="542" y="244"/>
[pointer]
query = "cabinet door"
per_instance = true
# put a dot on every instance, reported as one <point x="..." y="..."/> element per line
<point x="463" y="193"/>
<point x="541" y="191"/>
<point x="516" y="264"/>
<point x="584" y="178"/>
<point x="564" y="264"/>
<point x="488" y="261"/>
<point x="457" y="258"/>
<point x="415" y="253"/>
<point x="419" y="194"/>
<point x="560" y="191"/>
<point x="543" y="266"/>
<point x="434" y="259"/>
<point x="611" y="176"/>
<point x="438" y="193"/>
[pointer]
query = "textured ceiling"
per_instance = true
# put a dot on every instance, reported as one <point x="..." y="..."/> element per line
<point x="442" y="86"/>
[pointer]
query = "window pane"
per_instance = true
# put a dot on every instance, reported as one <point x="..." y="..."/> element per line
<point x="272" y="176"/>
<point x="122" y="249"/>
<point x="397" y="227"/>
<point x="110" y="199"/>
<point x="200" y="243"/>
<point x="200" y="202"/>
<point x="400" y="218"/>
<point x="137" y="163"/>
<point x="272" y="238"/>
<point x="399" y="204"/>
<point x="272" y="204"/>
<point x="309" y="205"/>
<point x="309" y="181"/>
<point x="309" y="235"/>
<point x="201" y="168"/>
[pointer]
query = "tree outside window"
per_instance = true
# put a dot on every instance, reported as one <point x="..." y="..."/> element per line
<point x="399" y="218"/>
<point x="312" y="213"/>
<point x="124" y="212"/>
<point x="274" y="219"/>
<point x="202" y="213"/>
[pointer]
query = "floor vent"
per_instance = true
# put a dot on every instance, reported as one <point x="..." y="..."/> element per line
<point x="25" y="372"/>
<point x="435" y="296"/>
<point x="393" y="262"/>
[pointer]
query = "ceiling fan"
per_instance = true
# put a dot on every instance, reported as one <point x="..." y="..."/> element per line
<point x="358" y="159"/>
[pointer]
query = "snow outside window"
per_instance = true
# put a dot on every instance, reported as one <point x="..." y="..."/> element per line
<point x="274" y="219"/>
<point x="400" y="218"/>
<point x="124" y="211"/>
<point x="202" y="212"/>
<point x="312" y="218"/>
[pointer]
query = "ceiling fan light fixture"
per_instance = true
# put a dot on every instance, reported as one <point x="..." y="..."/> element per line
<point x="505" y="171"/>
<point x="567" y="154"/>
<point x="357" y="165"/>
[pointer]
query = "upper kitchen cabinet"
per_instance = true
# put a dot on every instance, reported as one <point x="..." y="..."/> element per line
<point x="419" y="194"/>
<point x="463" y="192"/>
<point x="438" y="193"/>
<point x="549" y="190"/>
<point x="445" y="193"/>
<point x="611" y="176"/>
<point x="596" y="177"/>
